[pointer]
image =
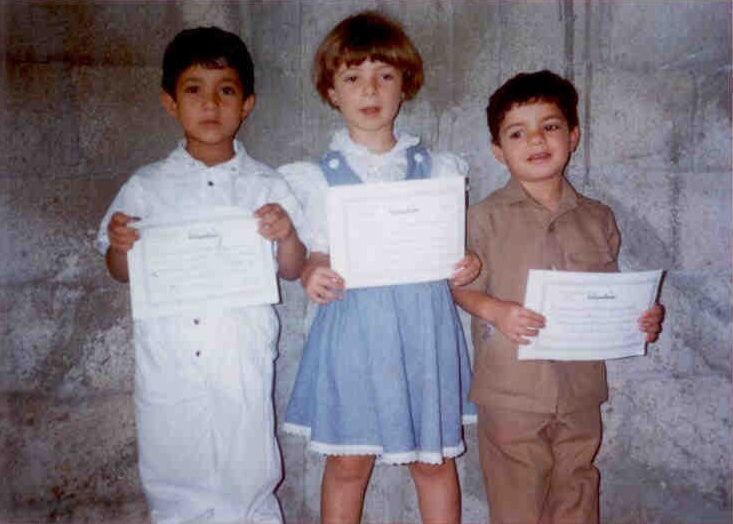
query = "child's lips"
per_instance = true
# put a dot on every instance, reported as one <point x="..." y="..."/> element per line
<point x="539" y="157"/>
<point x="370" y="111"/>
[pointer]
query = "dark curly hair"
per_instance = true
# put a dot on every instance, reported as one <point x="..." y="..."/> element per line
<point x="524" y="88"/>
<point x="209" y="47"/>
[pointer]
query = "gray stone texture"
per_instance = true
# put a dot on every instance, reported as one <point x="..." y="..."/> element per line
<point x="80" y="112"/>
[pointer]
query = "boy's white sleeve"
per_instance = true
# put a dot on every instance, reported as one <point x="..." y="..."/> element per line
<point x="309" y="187"/>
<point x="129" y="200"/>
<point x="281" y="193"/>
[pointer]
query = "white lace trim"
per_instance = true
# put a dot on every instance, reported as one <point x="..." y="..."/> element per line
<point x="430" y="457"/>
<point x="469" y="419"/>
<point x="341" y="141"/>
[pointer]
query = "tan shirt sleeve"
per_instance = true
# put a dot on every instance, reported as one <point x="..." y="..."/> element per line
<point x="477" y="236"/>
<point x="614" y="238"/>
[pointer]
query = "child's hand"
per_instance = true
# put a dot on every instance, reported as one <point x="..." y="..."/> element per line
<point x="321" y="283"/>
<point x="467" y="269"/>
<point x="120" y="233"/>
<point x="651" y="322"/>
<point x="517" y="322"/>
<point x="274" y="223"/>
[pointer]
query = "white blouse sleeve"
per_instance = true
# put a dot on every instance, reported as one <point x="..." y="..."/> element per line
<point x="309" y="187"/>
<point x="448" y="164"/>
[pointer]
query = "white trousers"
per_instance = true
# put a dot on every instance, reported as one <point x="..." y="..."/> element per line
<point x="206" y="431"/>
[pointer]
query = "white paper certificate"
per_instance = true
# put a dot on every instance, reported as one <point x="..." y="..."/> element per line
<point x="588" y="316"/>
<point x="396" y="232"/>
<point x="200" y="260"/>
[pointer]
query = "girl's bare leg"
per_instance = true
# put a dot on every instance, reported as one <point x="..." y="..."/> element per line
<point x="437" y="491"/>
<point x="345" y="479"/>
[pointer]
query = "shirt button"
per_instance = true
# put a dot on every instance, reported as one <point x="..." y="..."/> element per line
<point x="211" y="184"/>
<point x="198" y="353"/>
<point x="196" y="321"/>
<point x="333" y="163"/>
<point x="551" y="227"/>
<point x="418" y="158"/>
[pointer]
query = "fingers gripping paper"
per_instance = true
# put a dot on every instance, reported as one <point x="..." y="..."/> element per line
<point x="201" y="259"/>
<point x="396" y="232"/>
<point x="589" y="316"/>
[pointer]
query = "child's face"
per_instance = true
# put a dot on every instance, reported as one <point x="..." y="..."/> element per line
<point x="209" y="104"/>
<point x="369" y="96"/>
<point x="535" y="142"/>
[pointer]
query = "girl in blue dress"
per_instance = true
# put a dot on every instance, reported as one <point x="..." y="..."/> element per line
<point x="385" y="372"/>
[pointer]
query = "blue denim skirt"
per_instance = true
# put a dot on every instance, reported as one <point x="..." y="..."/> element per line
<point x="385" y="372"/>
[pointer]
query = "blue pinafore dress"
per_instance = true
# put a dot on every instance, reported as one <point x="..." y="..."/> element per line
<point x="385" y="370"/>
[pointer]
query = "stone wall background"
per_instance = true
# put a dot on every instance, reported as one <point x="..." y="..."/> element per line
<point x="79" y="112"/>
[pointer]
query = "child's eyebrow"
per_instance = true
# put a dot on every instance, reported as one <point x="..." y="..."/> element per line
<point x="199" y="79"/>
<point x="512" y="125"/>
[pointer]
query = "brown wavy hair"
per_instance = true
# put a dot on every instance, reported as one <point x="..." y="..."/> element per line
<point x="368" y="35"/>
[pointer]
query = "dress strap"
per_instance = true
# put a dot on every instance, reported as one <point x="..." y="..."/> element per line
<point x="419" y="162"/>
<point x="337" y="171"/>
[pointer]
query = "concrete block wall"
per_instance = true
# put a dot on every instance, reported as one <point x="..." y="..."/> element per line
<point x="79" y="111"/>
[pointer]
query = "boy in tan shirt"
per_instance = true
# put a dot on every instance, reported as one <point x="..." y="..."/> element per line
<point x="539" y="420"/>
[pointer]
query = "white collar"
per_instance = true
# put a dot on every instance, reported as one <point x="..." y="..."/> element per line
<point x="181" y="155"/>
<point x="342" y="142"/>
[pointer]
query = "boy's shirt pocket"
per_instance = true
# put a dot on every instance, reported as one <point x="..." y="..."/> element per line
<point x="590" y="259"/>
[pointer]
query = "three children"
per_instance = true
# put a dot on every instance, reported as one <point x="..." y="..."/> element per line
<point x="384" y="374"/>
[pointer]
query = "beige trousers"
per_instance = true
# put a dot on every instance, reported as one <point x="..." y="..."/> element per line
<point x="538" y="468"/>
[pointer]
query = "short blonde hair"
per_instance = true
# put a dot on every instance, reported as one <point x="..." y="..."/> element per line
<point x="368" y="35"/>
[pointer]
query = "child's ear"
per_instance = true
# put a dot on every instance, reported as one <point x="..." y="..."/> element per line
<point x="248" y="105"/>
<point x="498" y="152"/>
<point x="574" y="138"/>
<point x="333" y="97"/>
<point x="169" y="104"/>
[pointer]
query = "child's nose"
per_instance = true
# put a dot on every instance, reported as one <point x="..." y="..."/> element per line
<point x="536" y="136"/>
<point x="211" y="99"/>
<point x="370" y="86"/>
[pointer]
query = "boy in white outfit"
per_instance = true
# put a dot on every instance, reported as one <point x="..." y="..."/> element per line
<point x="203" y="382"/>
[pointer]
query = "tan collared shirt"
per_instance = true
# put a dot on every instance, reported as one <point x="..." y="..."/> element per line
<point x="512" y="233"/>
